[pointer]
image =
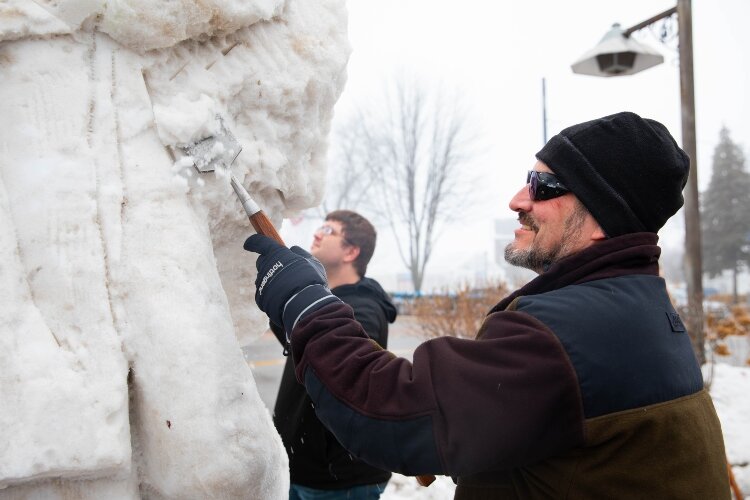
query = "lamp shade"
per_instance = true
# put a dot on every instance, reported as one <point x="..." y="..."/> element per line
<point x="617" y="55"/>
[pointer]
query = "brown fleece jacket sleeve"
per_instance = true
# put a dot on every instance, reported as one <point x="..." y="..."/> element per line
<point x="462" y="407"/>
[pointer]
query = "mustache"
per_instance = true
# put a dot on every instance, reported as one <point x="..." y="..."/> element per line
<point x="527" y="220"/>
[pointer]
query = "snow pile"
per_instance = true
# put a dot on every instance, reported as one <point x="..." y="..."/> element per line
<point x="123" y="280"/>
<point x="407" y="488"/>
<point x="729" y="389"/>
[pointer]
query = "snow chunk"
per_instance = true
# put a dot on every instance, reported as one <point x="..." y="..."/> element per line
<point x="140" y="26"/>
<point x="22" y="18"/>
<point x="186" y="120"/>
<point x="135" y="24"/>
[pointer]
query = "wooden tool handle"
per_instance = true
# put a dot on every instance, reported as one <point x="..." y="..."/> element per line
<point x="733" y="483"/>
<point x="262" y="225"/>
<point x="425" y="479"/>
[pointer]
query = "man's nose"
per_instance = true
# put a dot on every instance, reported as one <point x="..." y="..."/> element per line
<point x="521" y="202"/>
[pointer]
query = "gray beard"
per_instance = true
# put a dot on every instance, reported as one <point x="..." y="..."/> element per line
<point x="535" y="259"/>
<point x="538" y="259"/>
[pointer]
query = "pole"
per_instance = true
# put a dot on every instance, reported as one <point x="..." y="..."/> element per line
<point x="544" y="111"/>
<point x="693" y="257"/>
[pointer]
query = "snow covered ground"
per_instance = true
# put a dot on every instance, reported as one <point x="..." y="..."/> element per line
<point x="730" y="389"/>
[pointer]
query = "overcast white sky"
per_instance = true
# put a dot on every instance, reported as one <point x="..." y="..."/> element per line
<point x="496" y="54"/>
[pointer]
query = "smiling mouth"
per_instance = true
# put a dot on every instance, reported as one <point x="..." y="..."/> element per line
<point x="526" y="223"/>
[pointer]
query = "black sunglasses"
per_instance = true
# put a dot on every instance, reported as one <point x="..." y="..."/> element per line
<point x="544" y="186"/>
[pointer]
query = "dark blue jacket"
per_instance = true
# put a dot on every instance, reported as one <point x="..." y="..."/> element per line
<point x="582" y="384"/>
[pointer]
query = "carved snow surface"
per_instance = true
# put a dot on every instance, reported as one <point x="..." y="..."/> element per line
<point x="123" y="283"/>
<point x="139" y="25"/>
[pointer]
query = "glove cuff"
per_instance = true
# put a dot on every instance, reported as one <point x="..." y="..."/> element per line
<point x="304" y="302"/>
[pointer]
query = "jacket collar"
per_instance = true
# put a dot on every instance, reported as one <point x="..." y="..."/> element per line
<point x="635" y="253"/>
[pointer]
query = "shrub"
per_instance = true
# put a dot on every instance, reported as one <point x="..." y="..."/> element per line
<point x="457" y="312"/>
<point x="718" y="328"/>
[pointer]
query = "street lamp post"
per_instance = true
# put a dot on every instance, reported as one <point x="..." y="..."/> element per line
<point x="617" y="55"/>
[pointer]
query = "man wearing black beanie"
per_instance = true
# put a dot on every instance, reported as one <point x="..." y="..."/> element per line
<point x="582" y="384"/>
<point x="627" y="172"/>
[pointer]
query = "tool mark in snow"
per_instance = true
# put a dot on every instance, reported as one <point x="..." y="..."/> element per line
<point x="19" y="252"/>
<point x="92" y="95"/>
<point x="99" y="202"/>
<point x="224" y="52"/>
<point x="124" y="200"/>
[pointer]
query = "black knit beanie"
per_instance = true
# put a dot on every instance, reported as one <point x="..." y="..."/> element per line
<point x="627" y="171"/>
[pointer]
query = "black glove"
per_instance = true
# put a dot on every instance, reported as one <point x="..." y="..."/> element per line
<point x="291" y="283"/>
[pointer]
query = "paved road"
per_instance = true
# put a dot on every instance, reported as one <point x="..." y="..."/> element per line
<point x="267" y="361"/>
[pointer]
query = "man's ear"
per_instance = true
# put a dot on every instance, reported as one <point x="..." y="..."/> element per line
<point x="598" y="234"/>
<point x="593" y="229"/>
<point x="351" y="252"/>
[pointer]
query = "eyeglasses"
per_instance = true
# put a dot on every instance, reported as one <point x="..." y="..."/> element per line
<point x="326" y="230"/>
<point x="544" y="186"/>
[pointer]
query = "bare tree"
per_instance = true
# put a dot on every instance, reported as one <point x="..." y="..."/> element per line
<point x="350" y="176"/>
<point x="409" y="152"/>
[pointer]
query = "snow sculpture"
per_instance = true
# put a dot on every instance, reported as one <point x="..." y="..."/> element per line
<point x="123" y="281"/>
